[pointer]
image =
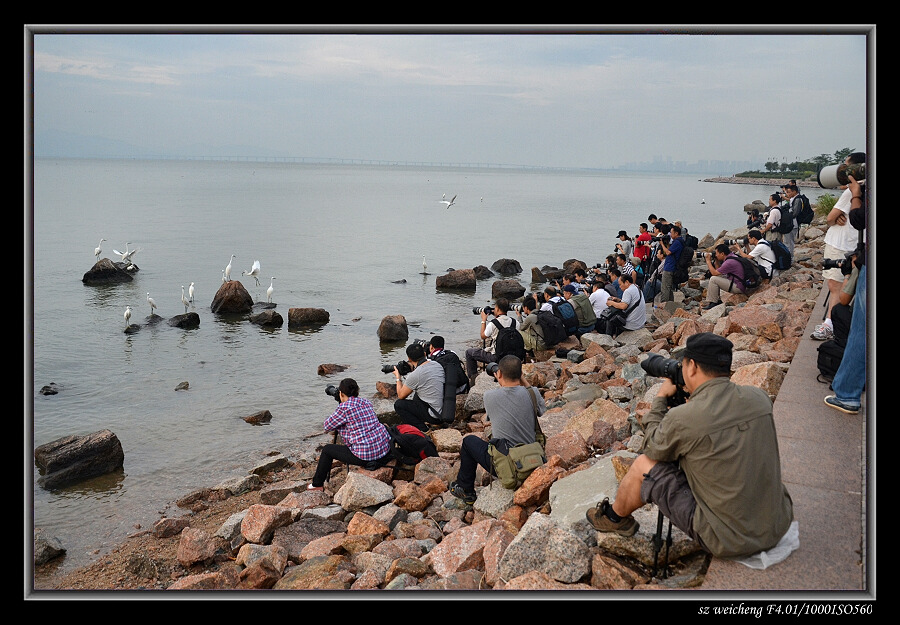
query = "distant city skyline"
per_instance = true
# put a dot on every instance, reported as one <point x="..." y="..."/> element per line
<point x="597" y="100"/>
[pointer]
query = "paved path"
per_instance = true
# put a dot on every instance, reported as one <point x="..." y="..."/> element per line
<point x="824" y="459"/>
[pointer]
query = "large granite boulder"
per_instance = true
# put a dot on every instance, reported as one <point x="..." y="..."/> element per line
<point x="393" y="328"/>
<point x="232" y="297"/>
<point x="507" y="267"/>
<point x="73" y="459"/>
<point x="510" y="289"/>
<point x="307" y="316"/>
<point x="456" y="279"/>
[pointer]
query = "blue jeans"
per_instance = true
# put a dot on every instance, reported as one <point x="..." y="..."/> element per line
<point x="850" y="379"/>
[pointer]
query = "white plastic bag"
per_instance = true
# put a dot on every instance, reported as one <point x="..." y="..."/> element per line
<point x="788" y="543"/>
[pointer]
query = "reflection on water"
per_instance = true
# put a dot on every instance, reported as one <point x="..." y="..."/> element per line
<point x="99" y="488"/>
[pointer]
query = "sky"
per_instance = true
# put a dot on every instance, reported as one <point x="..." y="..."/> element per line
<point x="570" y="99"/>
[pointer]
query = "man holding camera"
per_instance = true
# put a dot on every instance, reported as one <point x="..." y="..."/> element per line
<point x="711" y="465"/>
<point x="584" y="309"/>
<point x="512" y="410"/>
<point x="485" y="354"/>
<point x="726" y="275"/>
<point x="425" y="382"/>
<point x="532" y="332"/>
<point x="760" y="252"/>
<point x="632" y="311"/>
<point x="672" y="250"/>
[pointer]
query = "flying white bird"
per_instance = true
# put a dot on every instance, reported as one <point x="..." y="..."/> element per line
<point x="184" y="300"/>
<point x="152" y="303"/>
<point x="270" y="290"/>
<point x="127" y="315"/>
<point x="450" y="203"/>
<point x="191" y="292"/>
<point x="97" y="250"/>
<point x="125" y="254"/>
<point x="227" y="273"/>
<point x="254" y="271"/>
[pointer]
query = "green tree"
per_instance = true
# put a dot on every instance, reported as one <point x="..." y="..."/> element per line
<point x="841" y="155"/>
<point x="772" y="166"/>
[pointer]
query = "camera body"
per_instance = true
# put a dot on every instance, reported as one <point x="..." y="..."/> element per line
<point x="403" y="368"/>
<point x="844" y="264"/>
<point x="488" y="310"/>
<point x="332" y="390"/>
<point x="516" y="307"/>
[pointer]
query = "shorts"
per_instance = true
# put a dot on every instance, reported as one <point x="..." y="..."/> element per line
<point x="833" y="253"/>
<point x="666" y="486"/>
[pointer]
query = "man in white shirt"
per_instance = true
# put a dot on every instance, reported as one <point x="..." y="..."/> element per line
<point x="761" y="253"/>
<point x="474" y="355"/>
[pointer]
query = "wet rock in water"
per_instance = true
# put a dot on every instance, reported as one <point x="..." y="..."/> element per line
<point x="537" y="275"/>
<point x="46" y="548"/>
<point x="263" y="416"/>
<point x="482" y="272"/>
<point x="267" y="319"/>
<point x="182" y="386"/>
<point x="507" y="267"/>
<point x="49" y="389"/>
<point x="232" y="297"/>
<point x="328" y="369"/>
<point x="401" y="281"/>
<point x="187" y="320"/>
<point x="73" y="459"/>
<point x="457" y="279"/>
<point x="393" y="328"/>
<point x="307" y="316"/>
<point x="105" y="271"/>
<point x="510" y="289"/>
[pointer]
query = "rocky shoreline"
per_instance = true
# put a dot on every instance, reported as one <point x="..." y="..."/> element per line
<point x="770" y="182"/>
<point x="373" y="530"/>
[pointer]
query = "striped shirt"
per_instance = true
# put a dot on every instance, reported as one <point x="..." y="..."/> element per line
<point x="360" y="429"/>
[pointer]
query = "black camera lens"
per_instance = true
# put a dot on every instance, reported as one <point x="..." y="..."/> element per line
<point x="661" y="367"/>
<point x="403" y="368"/>
<point x="332" y="390"/>
<point x="488" y="310"/>
<point x="491" y="368"/>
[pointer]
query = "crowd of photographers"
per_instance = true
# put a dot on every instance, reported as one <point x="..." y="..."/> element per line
<point x="705" y="437"/>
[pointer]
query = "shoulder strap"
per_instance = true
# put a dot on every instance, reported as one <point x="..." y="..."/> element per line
<point x="537" y="424"/>
<point x="497" y="323"/>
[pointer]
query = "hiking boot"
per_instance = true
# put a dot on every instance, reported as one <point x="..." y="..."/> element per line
<point x="823" y="332"/>
<point x="596" y="516"/>
<point x="468" y="497"/>
<point x="836" y="403"/>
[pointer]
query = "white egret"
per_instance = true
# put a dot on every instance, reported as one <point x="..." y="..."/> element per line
<point x="184" y="300"/>
<point x="152" y="304"/>
<point x="191" y="292"/>
<point x="223" y="277"/>
<point x="124" y="254"/>
<point x="450" y="203"/>
<point x="127" y="316"/>
<point x="227" y="273"/>
<point x="97" y="250"/>
<point x="254" y="271"/>
<point x="270" y="290"/>
<point x="424" y="266"/>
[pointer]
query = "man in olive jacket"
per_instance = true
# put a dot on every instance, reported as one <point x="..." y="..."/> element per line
<point x="711" y="464"/>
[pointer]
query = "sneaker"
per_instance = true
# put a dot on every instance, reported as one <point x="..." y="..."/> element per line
<point x="711" y="305"/>
<point x="823" y="332"/>
<point x="468" y="497"/>
<point x="596" y="516"/>
<point x="836" y="403"/>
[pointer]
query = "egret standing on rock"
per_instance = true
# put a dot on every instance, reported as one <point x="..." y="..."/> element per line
<point x="152" y="304"/>
<point x="254" y="271"/>
<point x="125" y="254"/>
<point x="97" y="250"/>
<point x="270" y="290"/>
<point x="227" y="273"/>
<point x="127" y="316"/>
<point x="191" y="292"/>
<point x="424" y="267"/>
<point x="184" y="300"/>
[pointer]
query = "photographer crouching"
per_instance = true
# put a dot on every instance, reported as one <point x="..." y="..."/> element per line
<point x="365" y="437"/>
<point x="710" y="464"/>
<point x="425" y="382"/>
<point x="485" y="354"/>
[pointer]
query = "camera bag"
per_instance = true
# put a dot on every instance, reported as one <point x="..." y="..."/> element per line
<point x="509" y="341"/>
<point x="782" y="254"/>
<point x="513" y="465"/>
<point x="566" y="313"/>
<point x="830" y="354"/>
<point x="553" y="328"/>
<point x="456" y="382"/>
<point x="752" y="276"/>
<point x="685" y="260"/>
<point x="806" y="212"/>
<point x="786" y="223"/>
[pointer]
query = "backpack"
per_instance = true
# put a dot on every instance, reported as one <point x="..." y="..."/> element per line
<point x="509" y="341"/>
<point x="552" y="326"/>
<point x="691" y="241"/>
<point x="685" y="260"/>
<point x="455" y="382"/>
<point x="752" y="276"/>
<point x="806" y="212"/>
<point x="786" y="224"/>
<point x="782" y="254"/>
<point x="566" y="313"/>
<point x="410" y="445"/>
<point x="829" y="357"/>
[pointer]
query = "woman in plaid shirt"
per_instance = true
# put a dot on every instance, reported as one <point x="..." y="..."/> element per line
<point x="365" y="436"/>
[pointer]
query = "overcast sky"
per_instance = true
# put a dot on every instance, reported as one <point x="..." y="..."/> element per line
<point x="566" y="100"/>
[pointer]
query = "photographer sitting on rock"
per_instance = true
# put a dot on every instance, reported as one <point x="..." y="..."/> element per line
<point x="365" y="437"/>
<point x="511" y="411"/>
<point x="485" y="354"/>
<point x="711" y="464"/>
<point x="425" y="382"/>
<point x="726" y="275"/>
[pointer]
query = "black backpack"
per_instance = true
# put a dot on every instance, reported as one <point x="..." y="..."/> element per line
<point x="685" y="260"/>
<point x="806" y="212"/>
<point x="787" y="221"/>
<point x="691" y="241"/>
<point x="566" y="313"/>
<point x="552" y="326"/>
<point x="455" y="382"/>
<point x="508" y="341"/>
<point x="752" y="276"/>
<point x="410" y="445"/>
<point x="829" y="357"/>
<point x="782" y="255"/>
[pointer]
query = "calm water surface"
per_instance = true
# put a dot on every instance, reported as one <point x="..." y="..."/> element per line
<point x="334" y="237"/>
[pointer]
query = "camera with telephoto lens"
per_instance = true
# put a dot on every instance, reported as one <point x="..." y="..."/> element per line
<point x="601" y="266"/>
<point x="740" y="242"/>
<point x="426" y="345"/>
<point x="835" y="176"/>
<point x="516" y="307"/>
<point x="332" y="390"/>
<point x="845" y="264"/>
<point x="488" y="310"/>
<point x="403" y="368"/>
<point x="491" y="369"/>
<point x="662" y="367"/>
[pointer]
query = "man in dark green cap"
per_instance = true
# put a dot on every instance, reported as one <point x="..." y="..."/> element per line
<point x="711" y="464"/>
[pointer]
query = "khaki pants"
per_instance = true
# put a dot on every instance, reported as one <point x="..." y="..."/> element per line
<point x="718" y="284"/>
